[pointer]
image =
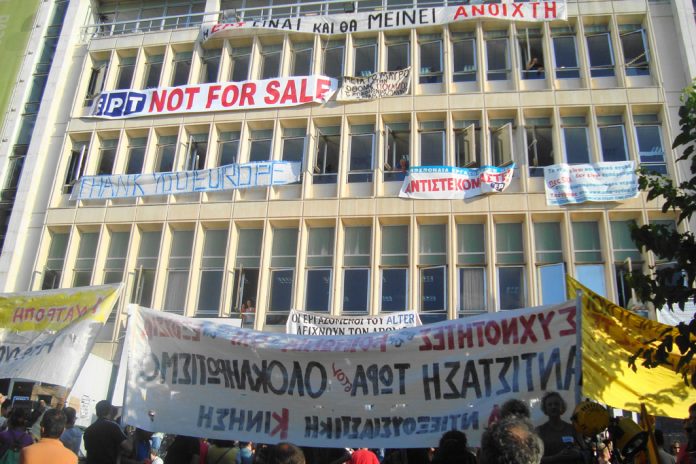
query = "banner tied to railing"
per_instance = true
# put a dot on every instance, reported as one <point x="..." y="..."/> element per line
<point x="578" y="183"/>
<point x="374" y="86"/>
<point x="310" y="323"/>
<point x="452" y="183"/>
<point x="392" y="389"/>
<point x="224" y="96"/>
<point x="366" y="21"/>
<point x="221" y="178"/>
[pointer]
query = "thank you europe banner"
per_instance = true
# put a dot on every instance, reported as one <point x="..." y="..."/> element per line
<point x="578" y="183"/>
<point x="309" y="323"/>
<point x="451" y="183"/>
<point x="392" y="389"/>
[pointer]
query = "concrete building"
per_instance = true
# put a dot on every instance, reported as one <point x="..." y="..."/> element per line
<point x="603" y="85"/>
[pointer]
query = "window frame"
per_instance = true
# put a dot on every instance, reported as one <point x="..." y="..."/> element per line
<point x="427" y="75"/>
<point x="572" y="72"/>
<point x="469" y="71"/>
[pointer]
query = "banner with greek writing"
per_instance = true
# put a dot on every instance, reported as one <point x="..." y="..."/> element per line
<point x="450" y="183"/>
<point x="46" y="336"/>
<point x="578" y="183"/>
<point x="308" y="323"/>
<point x="225" y="96"/>
<point x="230" y="177"/>
<point x="374" y="86"/>
<point x="366" y="21"/>
<point x="392" y="389"/>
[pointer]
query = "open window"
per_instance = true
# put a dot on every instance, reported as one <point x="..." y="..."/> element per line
<point x="96" y="81"/>
<point x="612" y="139"/>
<point x="635" y="50"/>
<point x="539" y="142"/>
<point x="397" y="151"/>
<point x="531" y="54"/>
<point x="75" y="166"/>
<point x="467" y="150"/>
<point x="501" y="145"/>
<point x="328" y="148"/>
<point x="197" y="151"/>
<point x="601" y="54"/>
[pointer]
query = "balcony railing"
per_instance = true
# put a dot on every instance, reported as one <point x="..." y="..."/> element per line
<point x="137" y="26"/>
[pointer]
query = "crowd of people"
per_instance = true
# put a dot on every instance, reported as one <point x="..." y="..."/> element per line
<point x="49" y="436"/>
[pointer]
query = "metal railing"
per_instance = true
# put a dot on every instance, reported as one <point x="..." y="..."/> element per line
<point x="137" y="26"/>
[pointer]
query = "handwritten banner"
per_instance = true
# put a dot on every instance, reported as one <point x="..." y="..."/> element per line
<point x="378" y="85"/>
<point x="578" y="183"/>
<point x="230" y="177"/>
<point x="308" y="323"/>
<point x="46" y="336"/>
<point x="390" y="389"/>
<point x="451" y="183"/>
<point x="225" y="96"/>
<point x="365" y="21"/>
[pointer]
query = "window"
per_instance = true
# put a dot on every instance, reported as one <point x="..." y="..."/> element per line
<point x="181" y="68"/>
<point x="293" y="143"/>
<point x="624" y="247"/>
<point x="302" y="59"/>
<point x="210" y="65"/>
<point x="467" y="143"/>
<point x="260" y="145"/>
<point x="510" y="261"/>
<point x="432" y="143"/>
<point x="75" y="165"/>
<point x="145" y="267"/>
<point x="228" y="148"/>
<point x="497" y="56"/>
<point x="107" y="156"/>
<point x="539" y="145"/>
<point x="126" y="68"/>
<point x="116" y="257"/>
<point x="575" y="142"/>
<point x="178" y="271"/>
<point x="333" y="59"/>
<point x="433" y="271"/>
<point x="197" y="151"/>
<point x="365" y="57"/>
<point x="531" y="53"/>
<point x="588" y="252"/>
<point x="501" y="141"/>
<point x="398" y="53"/>
<point x="362" y="141"/>
<point x="246" y="274"/>
<point x="464" y="52"/>
<point x="612" y="138"/>
<point x="397" y="153"/>
<point x="430" y="59"/>
<point x="471" y="264"/>
<point x="649" y="140"/>
<point x="270" y="61"/>
<point x="356" y="274"/>
<point x="241" y="57"/>
<point x="86" y="254"/>
<point x="153" y="70"/>
<point x="136" y="154"/>
<point x="635" y="50"/>
<point x="96" y="81"/>
<point x="166" y="153"/>
<point x="565" y="53"/>
<point x="328" y="149"/>
<point x="212" y="272"/>
<point x="549" y="258"/>
<point x="320" y="246"/>
<point x="283" y="253"/>
<point x="394" y="270"/>
<point x="600" y="52"/>
<point x="53" y="270"/>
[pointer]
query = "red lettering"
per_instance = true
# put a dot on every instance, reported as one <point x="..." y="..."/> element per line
<point x="528" y="327"/>
<point x="323" y="86"/>
<point x="439" y="338"/>
<point x="228" y="100"/>
<point x="248" y="91"/>
<point x="176" y="98"/>
<point x="534" y="9"/>
<point x="290" y="94"/>
<point x="461" y="11"/>
<point x="426" y="345"/>
<point x="510" y="331"/>
<point x="493" y="9"/>
<point x="479" y="331"/>
<point x="570" y="319"/>
<point x="550" y="10"/>
<point x="304" y="96"/>
<point x="283" y="424"/>
<point x="545" y="321"/>
<point x="18" y="314"/>
<point x="159" y="97"/>
<point x="492" y="333"/>
<point x="478" y="10"/>
<point x="518" y="10"/>
<point x="272" y="93"/>
<point x="212" y="94"/>
<point x="190" y="93"/>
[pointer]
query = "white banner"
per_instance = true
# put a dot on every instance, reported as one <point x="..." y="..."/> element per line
<point x="224" y="96"/>
<point x="230" y="177"/>
<point x="450" y="183"/>
<point x="308" y="323"/>
<point x="578" y="183"/>
<point x="374" y="86"/>
<point x="365" y="21"/>
<point x="396" y="389"/>
<point x="46" y="336"/>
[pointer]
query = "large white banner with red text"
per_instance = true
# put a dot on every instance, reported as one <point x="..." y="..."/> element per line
<point x="451" y="183"/>
<point x="366" y="21"/>
<point x="224" y="96"/>
<point x="396" y="389"/>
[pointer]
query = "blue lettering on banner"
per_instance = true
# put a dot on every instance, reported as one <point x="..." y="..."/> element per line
<point x="116" y="104"/>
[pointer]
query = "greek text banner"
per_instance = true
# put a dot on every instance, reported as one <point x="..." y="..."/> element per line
<point x="389" y="389"/>
<point x="224" y="96"/>
<point x="578" y="183"/>
<point x="365" y="21"/>
<point x="378" y="85"/>
<point x="230" y="177"/>
<point x="46" y="336"/>
<point x="307" y="323"/>
<point x="450" y="183"/>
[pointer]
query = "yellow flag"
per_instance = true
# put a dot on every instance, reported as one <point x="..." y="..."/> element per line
<point x="610" y="335"/>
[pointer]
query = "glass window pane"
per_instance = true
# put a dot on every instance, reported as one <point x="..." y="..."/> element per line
<point x="622" y="242"/>
<point x="318" y="292"/>
<point x="635" y="53"/>
<point x="210" y="292"/>
<point x="471" y="244"/>
<point x="361" y="148"/>
<point x="365" y="60"/>
<point x="565" y="53"/>
<point x="650" y="144"/>
<point x="320" y="246"/>
<point x="472" y="289"/>
<point x="576" y="145"/>
<point x="586" y="240"/>
<point x="592" y="277"/>
<point x="302" y="61"/>
<point x="433" y="289"/>
<point x="613" y="143"/>
<point x="511" y="287"/>
<point x="547" y="240"/>
<point x="398" y="56"/>
<point x="431" y="62"/>
<point x="394" y="289"/>
<point x="508" y="242"/>
<point x="432" y="147"/>
<point x="357" y="245"/>
<point x="356" y="290"/>
<point x="270" y="65"/>
<point x="601" y="57"/>
<point x="333" y="62"/>
<point x="552" y="283"/>
<point x="293" y="149"/>
<point x="240" y="68"/>
<point x="464" y="60"/>
<point x="497" y="58"/>
<point x="395" y="245"/>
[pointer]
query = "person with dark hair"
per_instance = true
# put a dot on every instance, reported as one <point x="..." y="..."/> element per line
<point x="222" y="452"/>
<point x="285" y="453"/>
<point x="516" y="407"/>
<point x="72" y="436"/>
<point x="104" y="440"/>
<point x="453" y="449"/>
<point x="687" y="453"/>
<point x="665" y="457"/>
<point x="511" y="440"/>
<point x="183" y="450"/>
<point x="5" y="409"/>
<point x="16" y="436"/>
<point x="561" y="443"/>
<point x="245" y="454"/>
<point x="49" y="448"/>
<point x="363" y="456"/>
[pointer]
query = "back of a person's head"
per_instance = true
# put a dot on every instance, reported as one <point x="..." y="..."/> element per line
<point x="52" y="423"/>
<point x="103" y="408"/>
<point x="285" y="453"/>
<point x="452" y="448"/>
<point x="659" y="437"/>
<point x="512" y="440"/>
<point x="515" y="407"/>
<point x="70" y="415"/>
<point x="18" y="417"/>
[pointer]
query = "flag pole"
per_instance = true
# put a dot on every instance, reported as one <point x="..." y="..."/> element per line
<point x="578" y="349"/>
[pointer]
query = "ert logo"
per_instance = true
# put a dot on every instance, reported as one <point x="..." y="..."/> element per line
<point x="118" y="104"/>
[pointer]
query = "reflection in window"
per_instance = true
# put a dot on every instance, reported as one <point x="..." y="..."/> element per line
<point x="467" y="143"/>
<point x="145" y="268"/>
<point x="592" y="277"/>
<point x="356" y="275"/>
<point x="552" y="283"/>
<point x="501" y="141"/>
<point x="433" y="273"/>
<point x="510" y="261"/>
<point x="320" y="250"/>
<point x="283" y="257"/>
<point x="178" y="271"/>
<point x="53" y="270"/>
<point x="212" y="272"/>
<point x="471" y="260"/>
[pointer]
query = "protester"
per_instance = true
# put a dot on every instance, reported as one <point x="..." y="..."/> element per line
<point x="603" y="454"/>
<point x="35" y="419"/>
<point x="154" y="456"/>
<point x="183" y="450"/>
<point x="687" y="453"/>
<point x="49" y="449"/>
<point x="141" y="445"/>
<point x="452" y="449"/>
<point x="516" y="407"/>
<point x="511" y="440"/>
<point x="561" y="444"/>
<point x="72" y="436"/>
<point x="285" y="453"/>
<point x="665" y="457"/>
<point x="676" y="446"/>
<point x="104" y="440"/>
<point x="363" y="456"/>
<point x="5" y="409"/>
<point x="222" y="452"/>
<point x="156" y="441"/>
<point x="245" y="454"/>
<point x="15" y="437"/>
